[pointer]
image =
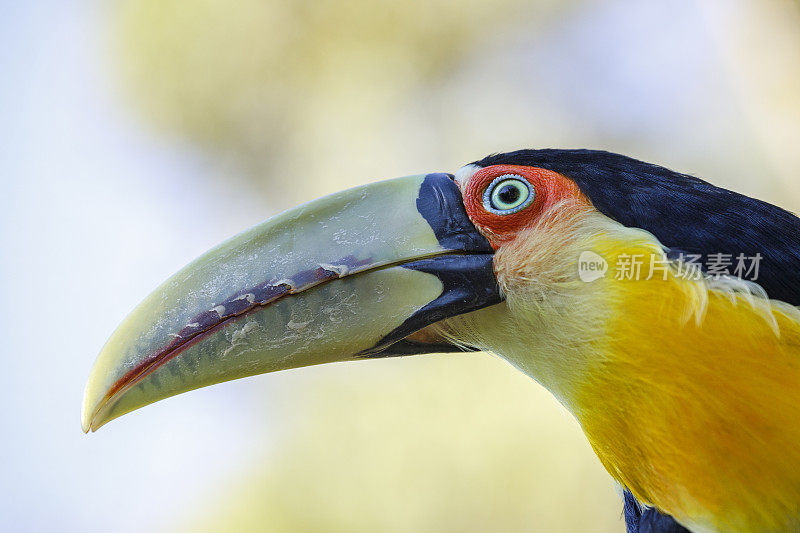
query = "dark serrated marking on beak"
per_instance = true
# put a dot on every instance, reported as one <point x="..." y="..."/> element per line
<point x="238" y="305"/>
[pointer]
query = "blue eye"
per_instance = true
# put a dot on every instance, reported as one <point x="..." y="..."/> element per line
<point x="508" y="194"/>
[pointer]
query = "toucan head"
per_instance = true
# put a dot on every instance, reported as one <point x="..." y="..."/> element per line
<point x="484" y="258"/>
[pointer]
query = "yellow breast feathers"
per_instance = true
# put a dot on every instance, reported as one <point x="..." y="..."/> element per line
<point x="705" y="421"/>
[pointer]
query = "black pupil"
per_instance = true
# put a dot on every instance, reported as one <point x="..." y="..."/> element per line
<point x="508" y="194"/>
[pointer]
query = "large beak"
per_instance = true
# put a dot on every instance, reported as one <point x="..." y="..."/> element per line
<point x="347" y="276"/>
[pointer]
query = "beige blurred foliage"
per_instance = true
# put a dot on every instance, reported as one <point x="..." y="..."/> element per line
<point x="460" y="442"/>
<point x="290" y="90"/>
<point x="336" y="93"/>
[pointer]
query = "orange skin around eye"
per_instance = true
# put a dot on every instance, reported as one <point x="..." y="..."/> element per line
<point x="549" y="187"/>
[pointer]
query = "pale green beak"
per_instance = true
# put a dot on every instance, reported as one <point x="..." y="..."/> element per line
<point x="344" y="277"/>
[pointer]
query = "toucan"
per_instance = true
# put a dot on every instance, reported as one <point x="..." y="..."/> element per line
<point x="659" y="309"/>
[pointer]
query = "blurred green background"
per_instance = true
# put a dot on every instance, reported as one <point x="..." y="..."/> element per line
<point x="136" y="134"/>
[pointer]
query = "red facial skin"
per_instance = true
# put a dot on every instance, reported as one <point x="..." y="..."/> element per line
<point x="549" y="187"/>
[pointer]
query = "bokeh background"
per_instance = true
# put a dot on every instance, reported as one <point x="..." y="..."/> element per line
<point x="136" y="134"/>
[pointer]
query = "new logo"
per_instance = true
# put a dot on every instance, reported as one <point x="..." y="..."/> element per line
<point x="591" y="266"/>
